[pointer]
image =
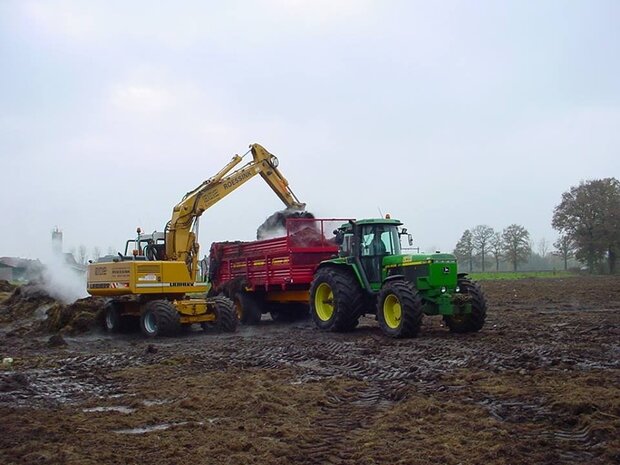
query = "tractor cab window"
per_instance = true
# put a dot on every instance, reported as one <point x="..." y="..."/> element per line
<point x="380" y="240"/>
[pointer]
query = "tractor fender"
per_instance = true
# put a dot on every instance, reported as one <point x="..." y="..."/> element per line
<point x="461" y="275"/>
<point x="395" y="277"/>
<point x="352" y="269"/>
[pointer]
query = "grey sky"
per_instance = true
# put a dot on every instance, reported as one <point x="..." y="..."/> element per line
<point x="445" y="114"/>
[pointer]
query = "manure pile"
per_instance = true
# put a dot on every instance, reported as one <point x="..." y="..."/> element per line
<point x="31" y="309"/>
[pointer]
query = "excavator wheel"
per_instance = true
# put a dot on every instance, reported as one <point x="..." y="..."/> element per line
<point x="399" y="309"/>
<point x="336" y="300"/>
<point x="469" y="322"/>
<point x="225" y="315"/>
<point x="112" y="321"/>
<point x="247" y="308"/>
<point x="159" y="318"/>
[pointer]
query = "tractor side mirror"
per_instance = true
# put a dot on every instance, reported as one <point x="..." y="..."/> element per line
<point x="410" y="239"/>
<point x="339" y="236"/>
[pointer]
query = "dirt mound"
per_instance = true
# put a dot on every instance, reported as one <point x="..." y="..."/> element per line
<point x="39" y="312"/>
<point x="24" y="302"/>
<point x="78" y="317"/>
<point x="6" y="286"/>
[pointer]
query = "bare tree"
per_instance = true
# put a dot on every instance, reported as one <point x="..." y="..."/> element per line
<point x="465" y="249"/>
<point x="81" y="255"/>
<point x="496" y="248"/>
<point x="543" y="247"/>
<point x="96" y="253"/>
<point x="481" y="237"/>
<point x="516" y="244"/>
<point x="565" y="248"/>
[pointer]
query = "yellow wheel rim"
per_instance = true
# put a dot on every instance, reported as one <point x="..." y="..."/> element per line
<point x="238" y="309"/>
<point x="392" y="311"/>
<point x="324" y="301"/>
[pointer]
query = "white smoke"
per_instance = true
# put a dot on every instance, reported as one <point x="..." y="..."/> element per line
<point x="63" y="281"/>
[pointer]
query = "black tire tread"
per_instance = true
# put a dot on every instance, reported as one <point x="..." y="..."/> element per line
<point x="348" y="299"/>
<point x="251" y="313"/>
<point x="112" y="306"/>
<point x="476" y="319"/>
<point x="167" y="316"/>
<point x="225" y="315"/>
<point x="411" y="304"/>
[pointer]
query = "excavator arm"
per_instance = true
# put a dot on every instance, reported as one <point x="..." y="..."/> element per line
<point x="181" y="243"/>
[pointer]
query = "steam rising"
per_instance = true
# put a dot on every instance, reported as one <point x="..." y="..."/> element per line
<point x="275" y="225"/>
<point x="62" y="281"/>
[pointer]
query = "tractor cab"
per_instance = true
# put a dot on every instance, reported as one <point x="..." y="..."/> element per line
<point x="370" y="241"/>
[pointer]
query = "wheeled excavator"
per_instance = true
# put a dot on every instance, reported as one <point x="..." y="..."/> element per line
<point x="156" y="280"/>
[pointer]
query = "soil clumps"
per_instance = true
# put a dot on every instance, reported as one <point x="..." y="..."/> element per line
<point x="32" y="310"/>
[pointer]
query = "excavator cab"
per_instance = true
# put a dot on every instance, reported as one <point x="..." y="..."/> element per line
<point x="145" y="247"/>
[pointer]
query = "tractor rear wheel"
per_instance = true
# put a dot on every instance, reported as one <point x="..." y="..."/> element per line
<point x="336" y="300"/>
<point x="247" y="308"/>
<point x="469" y="322"/>
<point x="159" y="318"/>
<point x="399" y="309"/>
<point x="225" y="314"/>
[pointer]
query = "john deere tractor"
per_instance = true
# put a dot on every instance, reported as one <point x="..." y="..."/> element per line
<point x="372" y="275"/>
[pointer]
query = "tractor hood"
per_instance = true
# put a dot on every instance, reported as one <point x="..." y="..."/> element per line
<point x="418" y="259"/>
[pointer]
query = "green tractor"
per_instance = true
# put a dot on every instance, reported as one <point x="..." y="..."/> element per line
<point x="372" y="275"/>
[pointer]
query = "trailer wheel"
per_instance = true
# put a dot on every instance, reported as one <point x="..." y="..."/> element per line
<point x="399" y="309"/>
<point x="159" y="318"/>
<point x="469" y="322"/>
<point x="225" y="314"/>
<point x="336" y="300"/>
<point x="247" y="308"/>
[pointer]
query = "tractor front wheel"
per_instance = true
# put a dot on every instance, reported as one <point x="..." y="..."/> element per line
<point x="159" y="318"/>
<point x="469" y="322"/>
<point x="399" y="309"/>
<point x="336" y="300"/>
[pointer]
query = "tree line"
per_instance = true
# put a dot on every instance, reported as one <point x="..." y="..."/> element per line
<point x="587" y="220"/>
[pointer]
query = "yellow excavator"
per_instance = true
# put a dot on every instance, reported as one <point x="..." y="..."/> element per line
<point x="152" y="281"/>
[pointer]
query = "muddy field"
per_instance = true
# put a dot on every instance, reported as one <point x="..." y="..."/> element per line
<point x="540" y="384"/>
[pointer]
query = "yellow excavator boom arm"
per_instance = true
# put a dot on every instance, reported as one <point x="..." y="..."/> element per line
<point x="181" y="243"/>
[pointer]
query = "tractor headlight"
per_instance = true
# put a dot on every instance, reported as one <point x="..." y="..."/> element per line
<point x="443" y="289"/>
<point x="458" y="289"/>
<point x="274" y="161"/>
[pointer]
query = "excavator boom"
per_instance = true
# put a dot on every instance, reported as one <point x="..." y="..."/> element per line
<point x="181" y="243"/>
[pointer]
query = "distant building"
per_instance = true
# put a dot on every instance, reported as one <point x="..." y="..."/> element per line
<point x="57" y="241"/>
<point x="66" y="258"/>
<point x="19" y="269"/>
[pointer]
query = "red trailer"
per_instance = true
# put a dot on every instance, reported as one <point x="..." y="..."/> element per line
<point x="273" y="275"/>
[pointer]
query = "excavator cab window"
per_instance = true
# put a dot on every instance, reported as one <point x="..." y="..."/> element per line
<point x="144" y="249"/>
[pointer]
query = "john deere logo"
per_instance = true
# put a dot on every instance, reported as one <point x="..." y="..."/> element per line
<point x="446" y="270"/>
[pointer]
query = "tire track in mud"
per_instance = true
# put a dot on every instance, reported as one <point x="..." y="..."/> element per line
<point x="71" y="379"/>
